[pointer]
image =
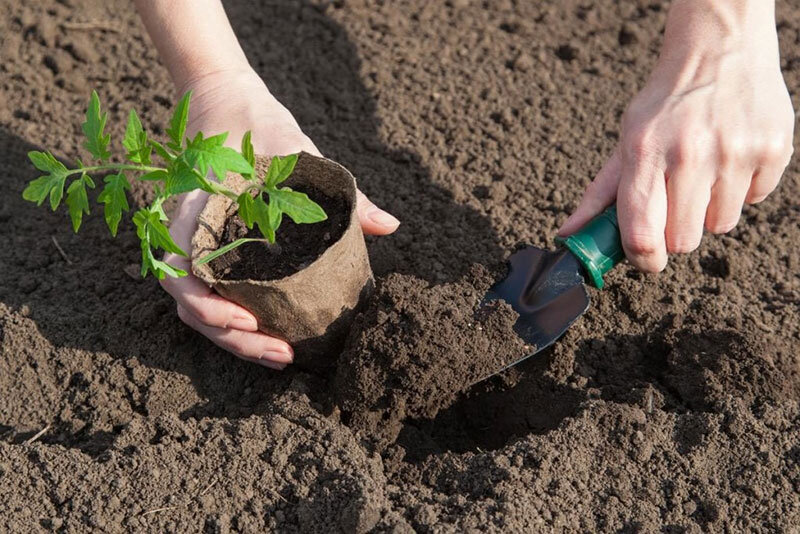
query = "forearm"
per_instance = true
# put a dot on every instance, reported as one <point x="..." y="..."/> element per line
<point x="193" y="37"/>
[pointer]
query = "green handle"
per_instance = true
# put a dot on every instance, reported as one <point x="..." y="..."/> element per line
<point x="597" y="245"/>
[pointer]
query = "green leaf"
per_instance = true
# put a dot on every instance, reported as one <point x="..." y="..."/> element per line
<point x="227" y="248"/>
<point x="177" y="125"/>
<point x="203" y="153"/>
<point x="297" y="205"/>
<point x="181" y="178"/>
<point x="150" y="228"/>
<point x="262" y="218"/>
<point x="246" y="210"/>
<point x="78" y="200"/>
<point x="160" y="269"/>
<point x="96" y="140"/>
<point x="135" y="140"/>
<point x="154" y="176"/>
<point x="275" y="215"/>
<point x="279" y="170"/>
<point x="115" y="200"/>
<point x="52" y="184"/>
<point x="249" y="154"/>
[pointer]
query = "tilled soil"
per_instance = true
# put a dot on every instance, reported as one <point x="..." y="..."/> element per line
<point x="673" y="405"/>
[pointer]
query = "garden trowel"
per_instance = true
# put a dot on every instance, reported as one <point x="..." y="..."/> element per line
<point x="547" y="288"/>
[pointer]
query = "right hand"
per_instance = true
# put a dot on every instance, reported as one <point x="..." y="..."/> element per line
<point x="237" y="101"/>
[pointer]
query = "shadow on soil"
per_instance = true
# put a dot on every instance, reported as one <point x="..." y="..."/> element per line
<point x="83" y="298"/>
<point x="676" y="371"/>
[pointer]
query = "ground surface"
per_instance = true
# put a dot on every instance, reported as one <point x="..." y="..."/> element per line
<point x="671" y="406"/>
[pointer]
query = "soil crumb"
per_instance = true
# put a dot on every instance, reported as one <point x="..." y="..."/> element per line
<point x="296" y="245"/>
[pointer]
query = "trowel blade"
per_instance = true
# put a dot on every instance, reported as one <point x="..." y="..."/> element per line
<point x="547" y="289"/>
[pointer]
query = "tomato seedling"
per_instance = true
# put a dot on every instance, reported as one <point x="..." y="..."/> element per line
<point x="189" y="164"/>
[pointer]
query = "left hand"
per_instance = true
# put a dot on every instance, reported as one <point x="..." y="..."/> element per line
<point x="236" y="101"/>
<point x="711" y="130"/>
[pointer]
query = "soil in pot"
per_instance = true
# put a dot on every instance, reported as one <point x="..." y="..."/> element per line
<point x="296" y="245"/>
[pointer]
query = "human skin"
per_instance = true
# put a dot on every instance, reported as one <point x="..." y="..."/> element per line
<point x="711" y="130"/>
<point x="227" y="95"/>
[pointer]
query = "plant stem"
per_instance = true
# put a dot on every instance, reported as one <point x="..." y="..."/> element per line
<point x="216" y="186"/>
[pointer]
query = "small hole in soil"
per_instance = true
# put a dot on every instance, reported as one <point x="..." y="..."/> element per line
<point x="491" y="416"/>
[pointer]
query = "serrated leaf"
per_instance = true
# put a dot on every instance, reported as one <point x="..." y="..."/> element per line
<point x="135" y="140"/>
<point x="154" y="176"/>
<point x="227" y="248"/>
<point x="246" y="213"/>
<point x="160" y="269"/>
<point x="297" y="205"/>
<point x="249" y="154"/>
<point x="279" y="170"/>
<point x="52" y="184"/>
<point x="78" y="200"/>
<point x="205" y="153"/>
<point x="114" y="199"/>
<point x="150" y="228"/>
<point x="261" y="217"/>
<point x="177" y="124"/>
<point x="96" y="140"/>
<point x="181" y="179"/>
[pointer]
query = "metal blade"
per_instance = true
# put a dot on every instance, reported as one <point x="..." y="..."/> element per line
<point x="546" y="289"/>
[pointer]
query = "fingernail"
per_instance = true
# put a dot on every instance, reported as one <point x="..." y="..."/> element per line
<point x="380" y="217"/>
<point x="277" y="356"/>
<point x="243" y="322"/>
<point x="272" y="365"/>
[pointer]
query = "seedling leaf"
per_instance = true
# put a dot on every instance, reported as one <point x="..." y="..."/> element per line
<point x="249" y="154"/>
<point x="279" y="170"/>
<point x="210" y="152"/>
<point x="135" y="141"/>
<point x="246" y="210"/>
<point x="96" y="140"/>
<point x="262" y="218"/>
<point x="297" y="205"/>
<point x="227" y="248"/>
<point x="182" y="179"/>
<point x="52" y="184"/>
<point x="115" y="200"/>
<point x="177" y="124"/>
<point x="78" y="200"/>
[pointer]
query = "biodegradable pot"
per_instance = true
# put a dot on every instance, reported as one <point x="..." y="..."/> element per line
<point x="313" y="308"/>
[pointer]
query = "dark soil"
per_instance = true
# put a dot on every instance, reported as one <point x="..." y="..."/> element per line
<point x="296" y="245"/>
<point x="673" y="405"/>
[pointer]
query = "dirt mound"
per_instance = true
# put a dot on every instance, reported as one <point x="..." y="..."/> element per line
<point x="417" y="347"/>
<point x="672" y="405"/>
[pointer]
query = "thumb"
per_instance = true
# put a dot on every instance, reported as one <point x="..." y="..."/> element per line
<point x="599" y="194"/>
<point x="374" y="221"/>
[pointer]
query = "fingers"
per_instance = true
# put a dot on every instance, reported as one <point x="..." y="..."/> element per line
<point x="209" y="308"/>
<point x="764" y="182"/>
<point x="253" y="346"/>
<point x="727" y="198"/>
<point x="642" y="214"/>
<point x="599" y="194"/>
<point x="688" y="195"/>
<point x="374" y="221"/>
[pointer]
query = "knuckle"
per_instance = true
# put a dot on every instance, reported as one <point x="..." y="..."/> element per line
<point x="642" y="244"/>
<point x="640" y="142"/>
<point x="682" y="245"/>
<point x="735" y="148"/>
<point x="204" y="315"/>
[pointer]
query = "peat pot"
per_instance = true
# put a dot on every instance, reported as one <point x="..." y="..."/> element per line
<point x="311" y="304"/>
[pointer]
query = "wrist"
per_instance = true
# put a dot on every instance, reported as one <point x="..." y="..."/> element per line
<point x="718" y="26"/>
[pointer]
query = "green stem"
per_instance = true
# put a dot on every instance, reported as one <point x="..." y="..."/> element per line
<point x="116" y="167"/>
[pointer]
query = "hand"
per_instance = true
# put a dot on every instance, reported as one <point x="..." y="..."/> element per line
<point x="237" y="101"/>
<point x="711" y="130"/>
